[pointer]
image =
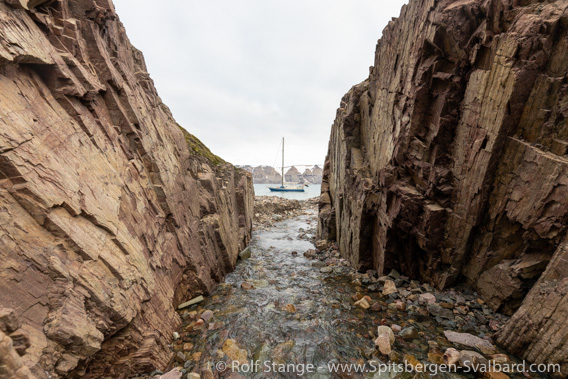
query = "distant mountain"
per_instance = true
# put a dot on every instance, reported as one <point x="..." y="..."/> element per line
<point x="269" y="175"/>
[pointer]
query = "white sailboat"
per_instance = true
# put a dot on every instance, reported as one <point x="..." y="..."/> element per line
<point x="287" y="187"/>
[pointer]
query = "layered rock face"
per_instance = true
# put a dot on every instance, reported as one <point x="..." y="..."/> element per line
<point x="450" y="161"/>
<point x="109" y="217"/>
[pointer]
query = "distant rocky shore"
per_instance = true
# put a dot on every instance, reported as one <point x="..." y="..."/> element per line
<point x="269" y="175"/>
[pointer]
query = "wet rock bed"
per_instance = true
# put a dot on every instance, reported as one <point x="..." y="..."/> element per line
<point x="295" y="303"/>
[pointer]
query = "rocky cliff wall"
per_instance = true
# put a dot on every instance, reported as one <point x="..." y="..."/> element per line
<point x="450" y="161"/>
<point x="109" y="217"/>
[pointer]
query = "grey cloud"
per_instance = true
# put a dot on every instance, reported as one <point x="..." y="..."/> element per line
<point x="242" y="74"/>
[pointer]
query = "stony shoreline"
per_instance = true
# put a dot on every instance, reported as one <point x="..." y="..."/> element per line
<point x="417" y="324"/>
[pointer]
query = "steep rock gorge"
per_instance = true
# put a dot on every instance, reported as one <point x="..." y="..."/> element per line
<point x="450" y="162"/>
<point x="110" y="214"/>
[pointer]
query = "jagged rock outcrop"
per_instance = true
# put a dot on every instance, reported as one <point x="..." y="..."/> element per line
<point x="292" y="175"/>
<point x="450" y="161"/>
<point x="266" y="175"/>
<point x="109" y="217"/>
<point x="313" y="176"/>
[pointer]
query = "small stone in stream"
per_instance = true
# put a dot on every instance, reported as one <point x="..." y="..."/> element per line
<point x="415" y="363"/>
<point x="400" y="305"/>
<point x="188" y="365"/>
<point x="374" y="288"/>
<point x="176" y="336"/>
<point x="460" y="300"/>
<point x="363" y="303"/>
<point x="245" y="254"/>
<point x="404" y="293"/>
<point x="470" y="340"/>
<point x="500" y="358"/>
<point x="472" y="359"/>
<point x="356" y="297"/>
<point x="394" y="274"/>
<point x="290" y="308"/>
<point x="427" y="298"/>
<point x="395" y="357"/>
<point x="187" y="346"/>
<point x="446" y="305"/>
<point x="376" y="307"/>
<point x="195" y="300"/>
<point x="180" y="357"/>
<point x="173" y="374"/>
<point x="246" y="286"/>
<point x="321" y="244"/>
<point x="396" y="328"/>
<point x="451" y="356"/>
<point x="383" y="329"/>
<point x="234" y="352"/>
<point x="310" y="253"/>
<point x="207" y="315"/>
<point x="317" y="264"/>
<point x="437" y="310"/>
<point x="436" y="357"/>
<point x="433" y="344"/>
<point x="193" y="375"/>
<point x="384" y="344"/>
<point x="389" y="287"/>
<point x="410" y="333"/>
<point x="427" y="287"/>
<point x="383" y="279"/>
<point x="326" y="270"/>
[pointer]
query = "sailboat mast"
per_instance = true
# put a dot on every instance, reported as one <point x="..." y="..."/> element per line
<point x="282" y="161"/>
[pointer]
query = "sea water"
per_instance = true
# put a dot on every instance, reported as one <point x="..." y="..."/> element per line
<point x="312" y="191"/>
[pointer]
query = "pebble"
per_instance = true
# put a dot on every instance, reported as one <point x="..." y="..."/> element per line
<point x="415" y="363"/>
<point x="173" y="374"/>
<point x="193" y="375"/>
<point x="386" y="330"/>
<point x="326" y="270"/>
<point x="376" y="307"/>
<point x="451" y="356"/>
<point x="187" y="346"/>
<point x="389" y="287"/>
<point x="436" y="357"/>
<point x="245" y="254"/>
<point x="207" y="315"/>
<point x="290" y="308"/>
<point x="410" y="333"/>
<point x="472" y="359"/>
<point x="363" y="303"/>
<point x="384" y="344"/>
<point x="234" y="352"/>
<point x="247" y="286"/>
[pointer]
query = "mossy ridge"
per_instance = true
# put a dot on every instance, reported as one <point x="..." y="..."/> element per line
<point x="197" y="147"/>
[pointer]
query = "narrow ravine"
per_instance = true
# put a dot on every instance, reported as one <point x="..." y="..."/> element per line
<point x="297" y="311"/>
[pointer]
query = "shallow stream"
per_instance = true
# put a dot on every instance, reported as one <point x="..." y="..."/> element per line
<point x="298" y="319"/>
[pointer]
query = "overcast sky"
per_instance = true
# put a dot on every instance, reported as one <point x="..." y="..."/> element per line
<point x="241" y="75"/>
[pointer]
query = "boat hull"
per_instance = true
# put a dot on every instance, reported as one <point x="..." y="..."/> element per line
<point x="286" y="189"/>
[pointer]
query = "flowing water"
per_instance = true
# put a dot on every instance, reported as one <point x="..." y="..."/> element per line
<point x="296" y="318"/>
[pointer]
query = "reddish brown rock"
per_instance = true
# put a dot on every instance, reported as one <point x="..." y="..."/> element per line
<point x="110" y="214"/>
<point x="450" y="162"/>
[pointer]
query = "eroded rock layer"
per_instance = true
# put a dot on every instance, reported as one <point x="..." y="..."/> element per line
<point x="109" y="217"/>
<point x="450" y="161"/>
